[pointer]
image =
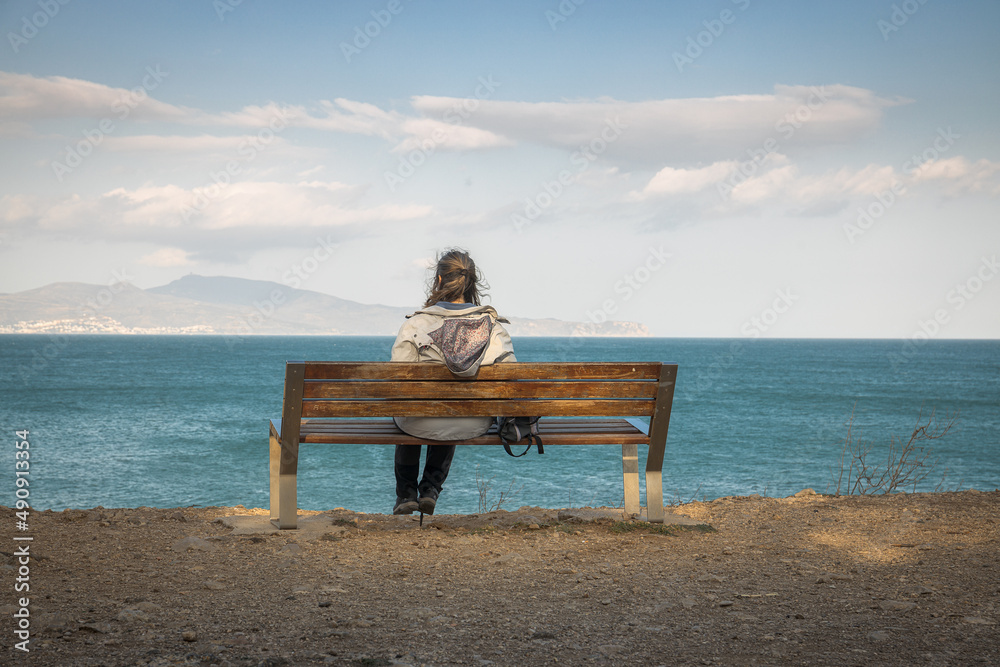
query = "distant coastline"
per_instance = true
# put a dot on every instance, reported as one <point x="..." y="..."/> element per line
<point x="219" y="305"/>
<point x="110" y="327"/>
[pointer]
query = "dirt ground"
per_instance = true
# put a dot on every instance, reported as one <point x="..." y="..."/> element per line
<point x="805" y="580"/>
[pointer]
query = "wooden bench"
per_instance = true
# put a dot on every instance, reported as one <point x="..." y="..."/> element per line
<point x="354" y="402"/>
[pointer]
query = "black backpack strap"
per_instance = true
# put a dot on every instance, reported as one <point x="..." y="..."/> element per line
<point x="533" y="439"/>
<point x="506" y="448"/>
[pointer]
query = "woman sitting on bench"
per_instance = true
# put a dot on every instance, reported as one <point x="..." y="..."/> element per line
<point x="453" y="329"/>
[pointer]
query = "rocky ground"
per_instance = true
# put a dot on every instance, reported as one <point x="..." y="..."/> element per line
<point x="806" y="580"/>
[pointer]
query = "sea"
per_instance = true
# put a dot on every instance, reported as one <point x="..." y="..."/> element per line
<point x="173" y="421"/>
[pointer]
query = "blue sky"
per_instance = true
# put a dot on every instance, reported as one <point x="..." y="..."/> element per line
<point x="726" y="168"/>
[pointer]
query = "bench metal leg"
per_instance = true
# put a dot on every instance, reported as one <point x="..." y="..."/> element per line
<point x="274" y="461"/>
<point x="284" y="495"/>
<point x="658" y="426"/>
<point x="287" y="502"/>
<point x="630" y="473"/>
<point x="654" y="496"/>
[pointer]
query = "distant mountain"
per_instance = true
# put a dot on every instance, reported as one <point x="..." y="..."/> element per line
<point x="223" y="305"/>
<point x="125" y="304"/>
<point x="310" y="312"/>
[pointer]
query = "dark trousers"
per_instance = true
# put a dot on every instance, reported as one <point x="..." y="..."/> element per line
<point x="407" y="465"/>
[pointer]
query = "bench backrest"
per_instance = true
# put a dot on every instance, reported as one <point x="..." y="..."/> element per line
<point x="318" y="389"/>
<point x="401" y="389"/>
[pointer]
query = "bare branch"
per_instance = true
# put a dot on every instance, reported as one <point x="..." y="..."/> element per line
<point x="906" y="464"/>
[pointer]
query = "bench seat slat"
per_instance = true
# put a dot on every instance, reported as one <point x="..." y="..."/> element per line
<point x="467" y="390"/>
<point x="401" y="370"/>
<point x="561" y="424"/>
<point x="552" y="431"/>
<point x="485" y="407"/>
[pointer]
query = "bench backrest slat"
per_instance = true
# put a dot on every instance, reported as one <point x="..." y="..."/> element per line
<point x="423" y="389"/>
<point x="360" y="370"/>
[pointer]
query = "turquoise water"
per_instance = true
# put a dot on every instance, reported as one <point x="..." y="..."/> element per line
<point x="167" y="421"/>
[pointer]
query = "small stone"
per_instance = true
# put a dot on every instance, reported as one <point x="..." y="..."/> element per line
<point x="439" y="594"/>
<point x="57" y="622"/>
<point x="512" y="557"/>
<point x="878" y="635"/>
<point x="97" y="628"/>
<point x="417" y="613"/>
<point x="189" y="636"/>
<point x="687" y="603"/>
<point x="214" y="585"/>
<point x="976" y="620"/>
<point x="192" y="544"/>
<point x="805" y="492"/>
<point x="606" y="602"/>
<point x="130" y="615"/>
<point x="325" y="603"/>
<point x="725" y="603"/>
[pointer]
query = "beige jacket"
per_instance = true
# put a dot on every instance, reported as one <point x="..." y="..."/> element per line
<point x="413" y="343"/>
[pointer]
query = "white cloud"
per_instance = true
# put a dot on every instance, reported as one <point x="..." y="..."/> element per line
<point x="160" y="213"/>
<point x="309" y="172"/>
<point x="787" y="185"/>
<point x="776" y="183"/>
<point x="205" y="143"/>
<point x="674" y="132"/>
<point x="767" y="186"/>
<point x="166" y="258"/>
<point x="682" y="132"/>
<point x="961" y="175"/>
<point x="670" y="180"/>
<point x="25" y="97"/>
<point x="429" y="135"/>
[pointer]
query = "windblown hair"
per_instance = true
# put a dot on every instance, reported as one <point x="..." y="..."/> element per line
<point x="459" y="279"/>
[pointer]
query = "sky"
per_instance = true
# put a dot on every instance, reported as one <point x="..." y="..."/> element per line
<point x="725" y="168"/>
